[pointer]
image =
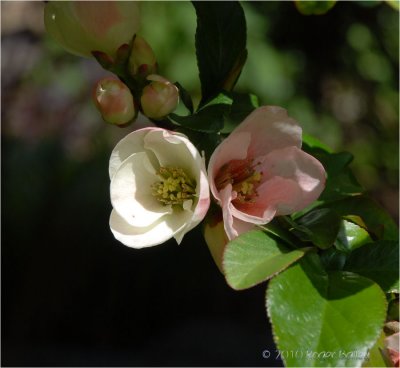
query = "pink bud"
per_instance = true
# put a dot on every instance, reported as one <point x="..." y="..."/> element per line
<point x="114" y="100"/>
<point x="85" y="26"/>
<point x="159" y="98"/>
<point x="142" y="59"/>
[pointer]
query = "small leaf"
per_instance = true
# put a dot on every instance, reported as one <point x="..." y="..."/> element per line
<point x="324" y="319"/>
<point x="309" y="7"/>
<point x="209" y="119"/>
<point x="378" y="261"/>
<point x="220" y="44"/>
<point x="314" y="143"/>
<point x="377" y="220"/>
<point x="320" y="226"/>
<point x="351" y="236"/>
<point x="341" y="182"/>
<point x="254" y="257"/>
<point x="185" y="97"/>
<point x="242" y="106"/>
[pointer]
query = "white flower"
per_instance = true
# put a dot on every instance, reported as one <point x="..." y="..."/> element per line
<point x="159" y="187"/>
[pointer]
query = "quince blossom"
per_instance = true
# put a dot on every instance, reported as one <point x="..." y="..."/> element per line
<point x="159" y="187"/>
<point x="260" y="172"/>
<point x="85" y="26"/>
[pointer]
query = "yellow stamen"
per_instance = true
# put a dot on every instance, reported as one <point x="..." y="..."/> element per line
<point x="175" y="186"/>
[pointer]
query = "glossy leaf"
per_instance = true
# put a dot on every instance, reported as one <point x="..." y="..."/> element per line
<point x="325" y="319"/>
<point x="375" y="218"/>
<point x="242" y="106"/>
<point x="333" y="259"/>
<point x="341" y="182"/>
<point x="320" y="226"/>
<point x="209" y="119"/>
<point x="185" y="97"/>
<point x="254" y="257"/>
<point x="351" y="236"/>
<point x="378" y="261"/>
<point x="220" y="44"/>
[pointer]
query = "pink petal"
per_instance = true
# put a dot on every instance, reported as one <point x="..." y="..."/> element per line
<point x="226" y="197"/>
<point x="232" y="148"/>
<point x="271" y="128"/>
<point x="300" y="168"/>
<point x="233" y="226"/>
<point x="275" y="196"/>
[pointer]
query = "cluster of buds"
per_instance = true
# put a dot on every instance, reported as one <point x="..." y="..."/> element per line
<point x="107" y="30"/>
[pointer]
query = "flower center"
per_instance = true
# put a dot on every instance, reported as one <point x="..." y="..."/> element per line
<point x="175" y="186"/>
<point x="243" y="177"/>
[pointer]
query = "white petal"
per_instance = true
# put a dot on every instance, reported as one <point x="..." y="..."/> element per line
<point x="142" y="237"/>
<point x="131" y="193"/>
<point x="128" y="145"/>
<point x="174" y="150"/>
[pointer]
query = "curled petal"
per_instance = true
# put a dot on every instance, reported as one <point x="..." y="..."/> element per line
<point x="143" y="237"/>
<point x="235" y="147"/>
<point x="182" y="153"/>
<point x="302" y="169"/>
<point x="128" y="145"/>
<point x="271" y="128"/>
<point x="131" y="194"/>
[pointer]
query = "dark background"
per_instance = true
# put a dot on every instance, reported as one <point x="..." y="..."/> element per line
<point x="74" y="296"/>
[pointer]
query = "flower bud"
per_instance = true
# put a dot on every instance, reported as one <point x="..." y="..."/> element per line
<point x="114" y="100"/>
<point x="142" y="59"/>
<point x="85" y="26"/>
<point x="215" y="237"/>
<point x="159" y="98"/>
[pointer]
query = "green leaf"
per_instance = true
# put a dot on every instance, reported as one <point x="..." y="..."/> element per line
<point x="220" y="44"/>
<point x="378" y="261"/>
<point x="242" y="106"/>
<point x="185" y="97"/>
<point x="324" y="319"/>
<point x="320" y="226"/>
<point x="375" y="357"/>
<point x="333" y="259"/>
<point x="254" y="257"/>
<point x="203" y="141"/>
<point x="314" y="7"/>
<point x="209" y="119"/>
<point x="351" y="236"/>
<point x="341" y="182"/>
<point x="376" y="219"/>
<point x="313" y="143"/>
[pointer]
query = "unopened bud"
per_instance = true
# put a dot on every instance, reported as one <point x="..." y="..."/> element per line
<point x="215" y="237"/>
<point x="159" y="98"/>
<point x="142" y="59"/>
<point x="114" y="100"/>
<point x="85" y="26"/>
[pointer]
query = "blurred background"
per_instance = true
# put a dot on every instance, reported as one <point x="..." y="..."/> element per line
<point x="71" y="294"/>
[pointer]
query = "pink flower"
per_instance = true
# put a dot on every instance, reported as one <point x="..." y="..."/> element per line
<point x="260" y="172"/>
<point x="392" y="349"/>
